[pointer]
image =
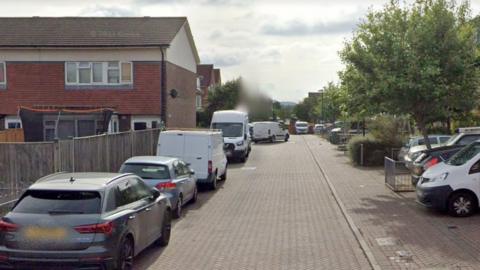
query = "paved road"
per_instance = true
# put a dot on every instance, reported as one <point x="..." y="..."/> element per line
<point x="274" y="212"/>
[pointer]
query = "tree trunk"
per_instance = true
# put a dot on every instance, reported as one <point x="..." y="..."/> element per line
<point x="423" y="129"/>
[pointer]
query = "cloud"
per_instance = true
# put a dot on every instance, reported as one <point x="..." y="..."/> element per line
<point x="222" y="60"/>
<point x="200" y="2"/>
<point x="107" y="11"/>
<point x="299" y="28"/>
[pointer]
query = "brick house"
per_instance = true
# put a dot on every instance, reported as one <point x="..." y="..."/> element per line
<point x="69" y="71"/>
<point x="209" y="78"/>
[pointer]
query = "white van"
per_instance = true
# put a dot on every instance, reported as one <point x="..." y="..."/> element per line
<point x="202" y="150"/>
<point x="269" y="131"/>
<point x="453" y="185"/>
<point x="236" y="136"/>
<point x="301" y="127"/>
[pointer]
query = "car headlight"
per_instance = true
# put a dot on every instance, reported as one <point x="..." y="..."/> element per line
<point x="239" y="143"/>
<point x="441" y="177"/>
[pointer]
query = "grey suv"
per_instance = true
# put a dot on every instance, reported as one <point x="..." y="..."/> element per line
<point x="83" y="221"/>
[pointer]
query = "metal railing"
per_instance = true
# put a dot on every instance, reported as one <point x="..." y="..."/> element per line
<point x="397" y="176"/>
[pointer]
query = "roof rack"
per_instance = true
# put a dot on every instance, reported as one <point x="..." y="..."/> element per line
<point x="469" y="130"/>
<point x="118" y="177"/>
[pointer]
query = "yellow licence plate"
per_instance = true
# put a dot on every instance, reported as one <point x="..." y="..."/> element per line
<point x="36" y="233"/>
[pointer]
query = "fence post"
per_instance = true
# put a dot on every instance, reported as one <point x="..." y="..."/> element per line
<point x="56" y="156"/>
<point x="73" y="155"/>
<point x="361" y="154"/>
<point x="107" y="152"/>
<point x="131" y="143"/>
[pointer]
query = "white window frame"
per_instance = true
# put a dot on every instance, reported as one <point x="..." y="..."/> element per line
<point x="105" y="69"/>
<point x="14" y="121"/>
<point x="4" y="64"/>
<point x="198" y="101"/>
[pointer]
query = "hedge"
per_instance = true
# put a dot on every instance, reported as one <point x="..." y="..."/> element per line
<point x="373" y="151"/>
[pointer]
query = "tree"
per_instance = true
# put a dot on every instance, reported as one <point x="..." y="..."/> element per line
<point x="224" y="97"/>
<point x="305" y="110"/>
<point x="330" y="104"/>
<point x="417" y="61"/>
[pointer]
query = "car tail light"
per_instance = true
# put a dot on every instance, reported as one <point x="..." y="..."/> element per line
<point x="3" y="257"/>
<point x="166" y="185"/>
<point x="431" y="163"/>
<point x="7" y="226"/>
<point x="210" y="167"/>
<point x="105" y="228"/>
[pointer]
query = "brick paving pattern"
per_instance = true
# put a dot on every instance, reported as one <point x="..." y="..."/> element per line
<point x="274" y="212"/>
<point x="400" y="233"/>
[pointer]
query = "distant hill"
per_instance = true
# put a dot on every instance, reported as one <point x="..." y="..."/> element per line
<point x="287" y="103"/>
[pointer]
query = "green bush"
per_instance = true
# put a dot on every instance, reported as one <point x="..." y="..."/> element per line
<point x="388" y="130"/>
<point x="373" y="151"/>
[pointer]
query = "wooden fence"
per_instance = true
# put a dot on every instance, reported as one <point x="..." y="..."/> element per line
<point x="23" y="163"/>
<point x="12" y="135"/>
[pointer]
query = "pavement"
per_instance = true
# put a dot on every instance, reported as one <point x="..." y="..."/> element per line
<point x="302" y="205"/>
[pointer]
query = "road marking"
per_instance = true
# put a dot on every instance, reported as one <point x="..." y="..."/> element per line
<point x="387" y="241"/>
<point x="249" y="168"/>
<point x="356" y="232"/>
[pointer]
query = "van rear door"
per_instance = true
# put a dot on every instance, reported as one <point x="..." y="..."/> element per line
<point x="171" y="145"/>
<point x="197" y="153"/>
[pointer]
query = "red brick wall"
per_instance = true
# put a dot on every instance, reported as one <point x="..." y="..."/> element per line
<point x="181" y="110"/>
<point x="30" y="84"/>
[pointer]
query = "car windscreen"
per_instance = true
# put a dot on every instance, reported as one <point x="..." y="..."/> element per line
<point x="464" y="155"/>
<point x="147" y="171"/>
<point x="452" y="139"/>
<point x="301" y="124"/>
<point x="59" y="202"/>
<point x="229" y="129"/>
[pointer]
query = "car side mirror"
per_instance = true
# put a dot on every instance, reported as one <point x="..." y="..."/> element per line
<point x="192" y="172"/>
<point x="155" y="194"/>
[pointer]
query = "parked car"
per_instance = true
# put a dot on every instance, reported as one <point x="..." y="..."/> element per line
<point x="83" y="221"/>
<point x="420" y="140"/>
<point x="319" y="128"/>
<point x="453" y="185"/>
<point x="463" y="137"/>
<point x="269" y="131"/>
<point x="430" y="158"/>
<point x="202" y="150"/>
<point x="301" y="127"/>
<point x="167" y="174"/>
<point x="234" y="125"/>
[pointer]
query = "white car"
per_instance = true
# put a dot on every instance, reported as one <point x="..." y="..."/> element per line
<point x="202" y="150"/>
<point x="453" y="185"/>
<point x="269" y="131"/>
<point x="301" y="127"/>
<point x="236" y="135"/>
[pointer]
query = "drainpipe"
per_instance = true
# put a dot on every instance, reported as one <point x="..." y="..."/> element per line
<point x="163" y="88"/>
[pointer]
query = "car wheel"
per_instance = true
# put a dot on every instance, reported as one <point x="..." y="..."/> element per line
<point x="178" y="208"/>
<point x="273" y="139"/>
<point x="224" y="176"/>
<point x="195" y="195"/>
<point x="287" y="137"/>
<point x="213" y="184"/>
<point x="461" y="205"/>
<point x="166" y="229"/>
<point x="243" y="158"/>
<point x="125" y="256"/>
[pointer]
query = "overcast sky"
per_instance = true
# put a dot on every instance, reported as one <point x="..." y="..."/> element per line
<point x="285" y="47"/>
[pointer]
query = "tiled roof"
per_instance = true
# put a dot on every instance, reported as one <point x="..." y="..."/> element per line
<point x="88" y="31"/>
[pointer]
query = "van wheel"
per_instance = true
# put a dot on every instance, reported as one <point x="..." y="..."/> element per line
<point x="461" y="204"/>
<point x="177" y="213"/>
<point x="224" y="176"/>
<point x="273" y="139"/>
<point x="166" y="229"/>
<point x="287" y="137"/>
<point x="213" y="184"/>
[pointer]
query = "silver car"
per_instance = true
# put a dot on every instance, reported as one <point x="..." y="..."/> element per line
<point x="83" y="221"/>
<point x="169" y="175"/>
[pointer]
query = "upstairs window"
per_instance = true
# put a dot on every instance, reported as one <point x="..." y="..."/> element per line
<point x="3" y="73"/>
<point x="98" y="73"/>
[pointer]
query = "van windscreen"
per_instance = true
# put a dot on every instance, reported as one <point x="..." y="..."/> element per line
<point x="229" y="129"/>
